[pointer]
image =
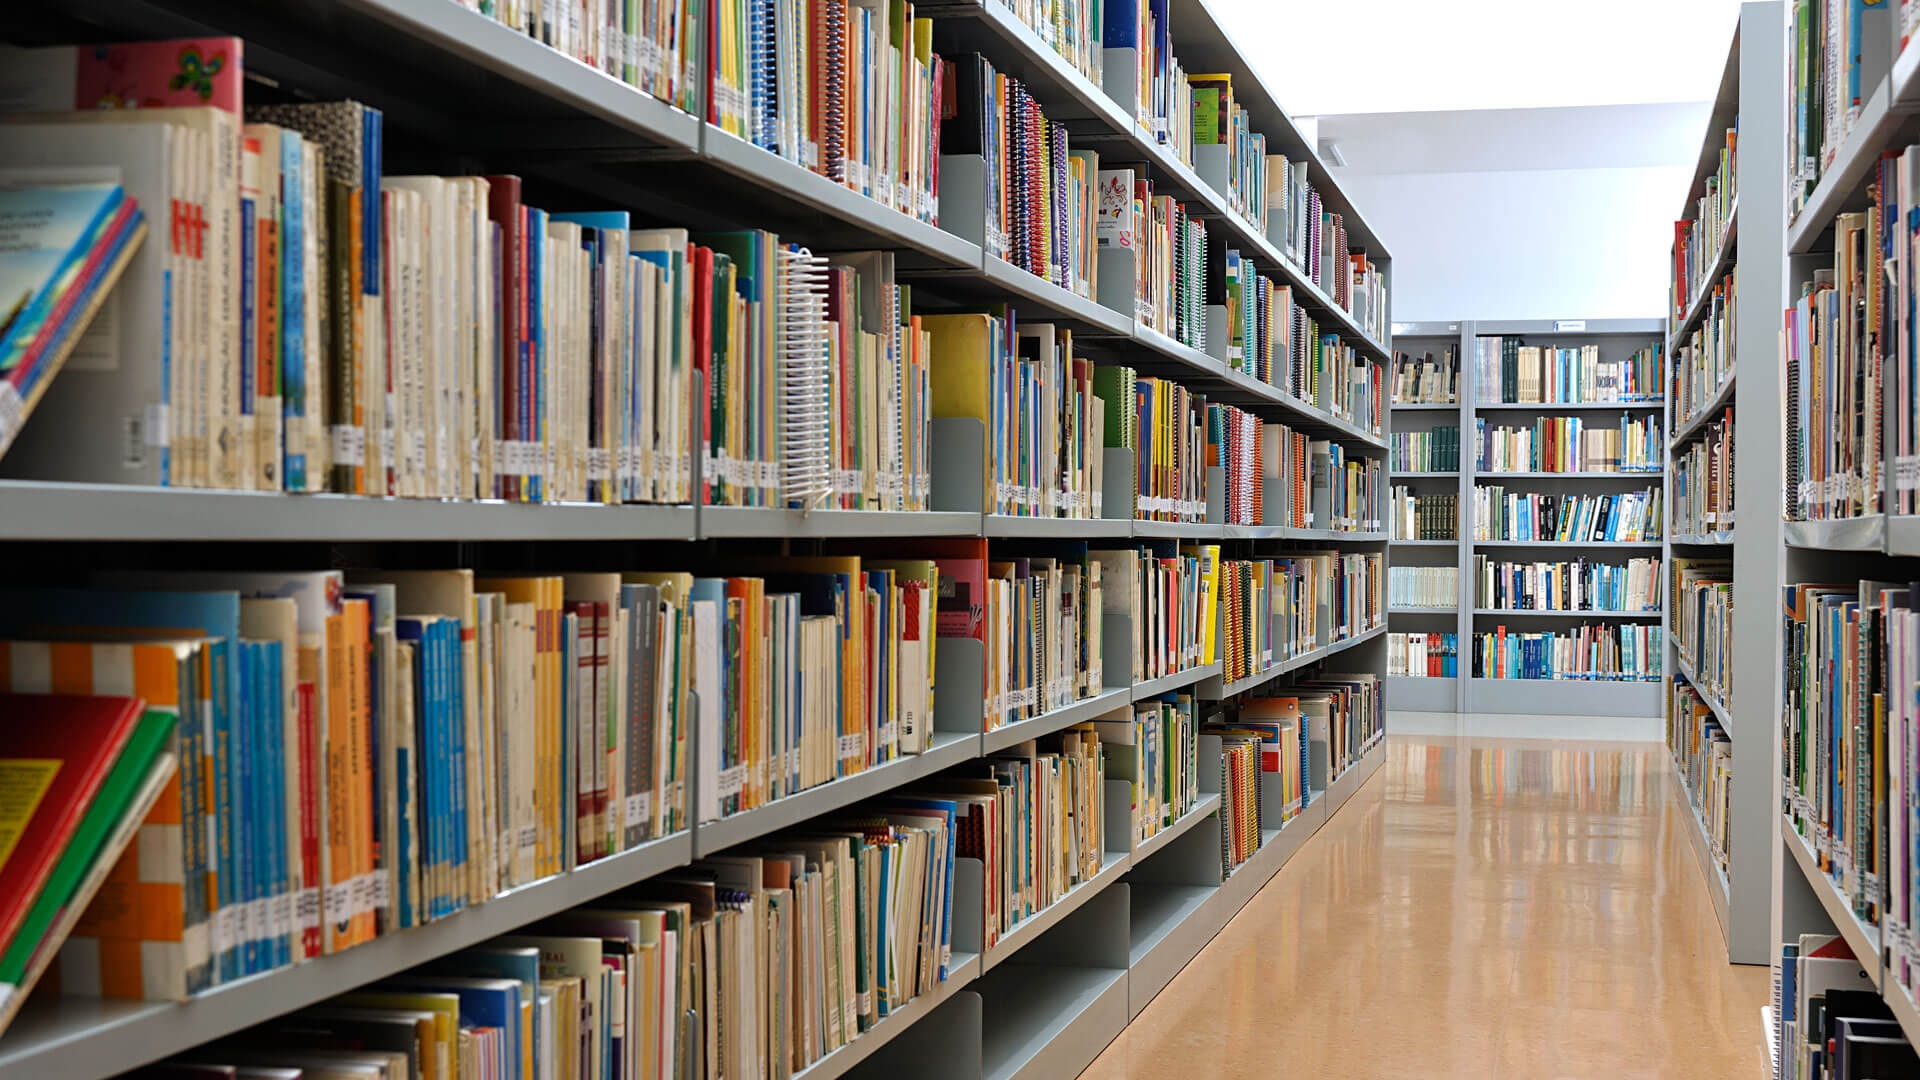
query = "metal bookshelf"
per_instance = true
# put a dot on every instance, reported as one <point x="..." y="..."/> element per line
<point x="457" y="88"/>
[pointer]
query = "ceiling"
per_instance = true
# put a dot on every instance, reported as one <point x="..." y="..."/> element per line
<point x="1420" y="55"/>
<point x="1512" y="140"/>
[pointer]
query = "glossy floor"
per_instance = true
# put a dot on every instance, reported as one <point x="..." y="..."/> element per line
<point x="1482" y="908"/>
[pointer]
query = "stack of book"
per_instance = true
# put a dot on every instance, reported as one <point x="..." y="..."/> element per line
<point x="1703" y="622"/>
<point x="1697" y="241"/>
<point x="1509" y="371"/>
<point x="1499" y="514"/>
<point x="1155" y="751"/>
<point x="1043" y="631"/>
<point x="1705" y="363"/>
<point x="1840" y="56"/>
<point x="1275" y="721"/>
<point x="1040" y="199"/>
<point x="1895" y="186"/>
<point x="1233" y="446"/>
<point x="1425" y="517"/>
<point x="1835" y="375"/>
<point x="1241" y="794"/>
<point x="1437" y="450"/>
<point x="1563" y="444"/>
<point x="1223" y="134"/>
<point x="1341" y="381"/>
<point x="1427" y="379"/>
<point x="849" y="90"/>
<point x="1423" y="656"/>
<point x="1162" y="598"/>
<point x="91" y="777"/>
<point x="1247" y="603"/>
<point x="1048" y="833"/>
<point x="1322" y="597"/>
<point x="1139" y="33"/>
<point x="1266" y="330"/>
<point x="1071" y="27"/>
<point x="1571" y="585"/>
<point x="1703" y="752"/>
<point x="652" y="45"/>
<point x="1435" y="587"/>
<point x="1702" y="481"/>
<point x="1592" y="653"/>
<point x="1043" y="421"/>
<point x="1170" y="447"/>
<point x="1827" y="1020"/>
<point x="1355" y="490"/>
<point x="1158" y="244"/>
<point x="1344" y="710"/>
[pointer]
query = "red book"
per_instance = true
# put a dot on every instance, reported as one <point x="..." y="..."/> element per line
<point x="78" y="738"/>
<point x="503" y="209"/>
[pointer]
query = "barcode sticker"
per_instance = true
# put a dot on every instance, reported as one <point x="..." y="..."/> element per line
<point x="639" y="809"/>
<point x="852" y="746"/>
<point x="598" y="459"/>
<point x="349" y="444"/>
<point x="223" y="929"/>
<point x="732" y="780"/>
<point x="307" y="906"/>
<point x="377" y="891"/>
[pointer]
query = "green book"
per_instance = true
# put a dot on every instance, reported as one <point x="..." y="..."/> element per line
<point x="1113" y="384"/>
<point x="127" y="780"/>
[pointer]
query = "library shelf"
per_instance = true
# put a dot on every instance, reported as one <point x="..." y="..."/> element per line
<point x="948" y="748"/>
<point x="1166" y="929"/>
<point x="1696" y="829"/>
<point x="1287" y="532"/>
<point x="1565" y="406"/>
<point x="1417" y="474"/>
<point x="1899" y="1001"/>
<point x="1550" y="613"/>
<point x="1575" y="697"/>
<point x="1876" y="126"/>
<point x="1867" y="532"/>
<point x="1179" y="680"/>
<point x="1214" y="690"/>
<point x="1050" y="1021"/>
<point x="990" y="27"/>
<point x="1113" y="865"/>
<point x="1903" y="534"/>
<point x="1423" y="543"/>
<point x="1299" y="413"/>
<point x="1177" y="530"/>
<point x="1569" y="543"/>
<point x="720" y="522"/>
<point x="1011" y="525"/>
<point x="52" y="510"/>
<point x="1206" y="807"/>
<point x="1049" y="302"/>
<point x="71" y="1036"/>
<point x="1427" y="406"/>
<point x="963" y="969"/>
<point x="1717" y="539"/>
<point x="1277" y="848"/>
<point x="1581" y="328"/>
<point x="1448" y="610"/>
<point x="1863" y="939"/>
<point x="1053" y="720"/>
<point x="1684" y="666"/>
<point x="1723" y="260"/>
<point x="1715" y="407"/>
<point x="1347" y="784"/>
<point x="1423" y="693"/>
<point x="853" y="218"/>
<point x="1611" y="474"/>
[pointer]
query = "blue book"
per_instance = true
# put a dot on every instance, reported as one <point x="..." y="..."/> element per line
<point x="408" y="775"/>
<point x="534" y="403"/>
<point x="454" y="702"/>
<point x="413" y="632"/>
<point x="293" y="305"/>
<point x="246" y="756"/>
<point x="947" y="809"/>
<point x="484" y="1002"/>
<point x="371" y="218"/>
<point x="519" y="963"/>
<point x="279" y="854"/>
<point x="57" y="228"/>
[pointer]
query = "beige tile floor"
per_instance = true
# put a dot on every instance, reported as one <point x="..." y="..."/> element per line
<point x="1482" y="908"/>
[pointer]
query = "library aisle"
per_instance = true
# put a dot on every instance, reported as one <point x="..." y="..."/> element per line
<point x="1481" y="908"/>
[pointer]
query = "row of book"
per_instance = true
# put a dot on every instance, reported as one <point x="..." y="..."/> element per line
<point x="1427" y="379"/>
<point x="1703" y="622"/>
<point x="1507" y="370"/>
<point x="1701" y="481"/>
<point x="1606" y="652"/>
<point x="1499" y="514"/>
<point x="1295" y="481"/>
<point x="1573" y="585"/>
<point x="1846" y="731"/>
<point x="1697" y="241"/>
<point x="1155" y="750"/>
<point x="1828" y="1024"/>
<point x="1071" y="27"/>
<point x="1838" y="55"/>
<point x="1423" y="656"/>
<point x="1898" y="186"/>
<point x="1437" y="450"/>
<point x="1425" y="517"/>
<point x="1271" y="337"/>
<point x="850" y="90"/>
<point x="1702" y="366"/>
<point x="1835" y="370"/>
<point x="1424" y="586"/>
<point x="1703" y="753"/>
<point x="1569" y="444"/>
<point x="653" y="45"/>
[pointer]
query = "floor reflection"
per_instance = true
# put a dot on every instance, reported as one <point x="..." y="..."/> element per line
<point x="1482" y="908"/>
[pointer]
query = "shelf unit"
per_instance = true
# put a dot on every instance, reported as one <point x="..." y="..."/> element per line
<point x="1752" y="89"/>
<point x="1034" y="1004"/>
<point x="1617" y="338"/>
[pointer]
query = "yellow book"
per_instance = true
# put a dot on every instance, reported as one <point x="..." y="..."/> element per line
<point x="446" y="1020"/>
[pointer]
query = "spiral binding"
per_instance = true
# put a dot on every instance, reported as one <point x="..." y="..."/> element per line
<point x="806" y="476"/>
<point x="833" y="155"/>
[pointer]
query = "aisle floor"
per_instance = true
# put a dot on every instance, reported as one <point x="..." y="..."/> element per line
<point x="1482" y="908"/>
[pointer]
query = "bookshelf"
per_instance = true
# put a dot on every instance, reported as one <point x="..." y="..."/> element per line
<point x="458" y="90"/>
<point x="1615" y="339"/>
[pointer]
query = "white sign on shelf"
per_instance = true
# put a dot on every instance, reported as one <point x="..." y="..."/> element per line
<point x="1568" y="326"/>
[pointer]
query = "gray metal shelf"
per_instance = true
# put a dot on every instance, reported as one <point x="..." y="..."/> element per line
<point x="1566" y="406"/>
<point x="1571" y="697"/>
<point x="1683" y="666"/>
<point x="1903" y="535"/>
<point x="1113" y="865"/>
<point x="98" y="1037"/>
<point x="1179" y="680"/>
<point x="1900" y="1002"/>
<point x="1569" y="543"/>
<point x="1347" y="784"/>
<point x="1708" y="413"/>
<point x="1450" y="609"/>
<point x="1206" y="807"/>
<point x="1422" y="474"/>
<point x="1616" y="474"/>
<point x="1862" y="938"/>
<point x="1051" y="1021"/>
<point x="1008" y="525"/>
<point x="962" y="970"/>
<point x="1214" y="690"/>
<point x="1059" y="305"/>
<point x="1876" y="126"/>
<point x="718" y="522"/>
<point x="1865" y="533"/>
<point x="1716" y="878"/>
<point x="949" y="748"/>
<point x="1284" y="532"/>
<point x="1701" y="540"/>
<point x="1556" y="614"/>
<point x="1424" y="693"/>
<point x="1049" y="722"/>
<point x="1423" y="543"/>
<point x="1426" y="406"/>
<point x="1647" y="328"/>
<point x="1722" y="262"/>
<point x="37" y="510"/>
<point x="1177" y="530"/>
<point x="1166" y="930"/>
